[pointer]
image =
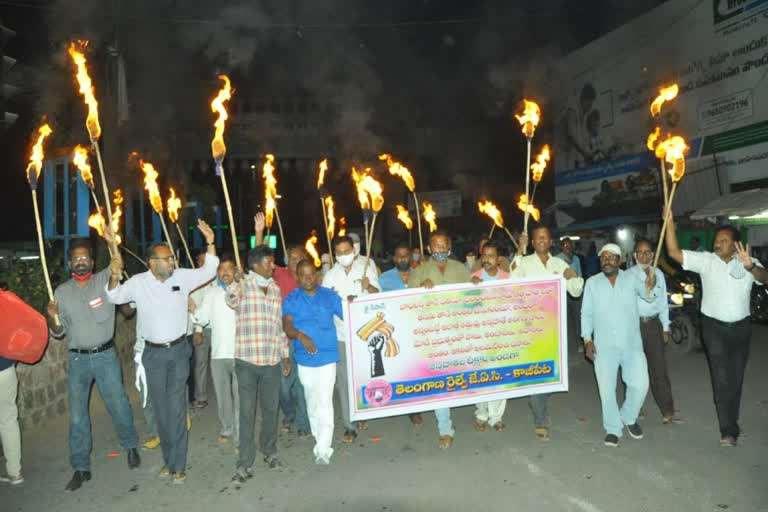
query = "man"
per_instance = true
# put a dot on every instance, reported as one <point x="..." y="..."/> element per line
<point x="610" y="326"/>
<point x="214" y="313"/>
<point x="416" y="258"/>
<point x="695" y="244"/>
<point x="654" y="330"/>
<point x="477" y="266"/>
<point x="727" y="276"/>
<point x="88" y="323"/>
<point x="436" y="271"/>
<point x="397" y="278"/>
<point x="260" y="346"/>
<point x="10" y="438"/>
<point x="349" y="278"/>
<point x="201" y="343"/>
<point x="573" y="309"/>
<point x="490" y="413"/>
<point x="541" y="263"/>
<point x="309" y="315"/>
<point x="161" y="295"/>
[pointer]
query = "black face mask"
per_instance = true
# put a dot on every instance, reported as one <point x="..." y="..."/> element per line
<point x="402" y="266"/>
<point x="81" y="269"/>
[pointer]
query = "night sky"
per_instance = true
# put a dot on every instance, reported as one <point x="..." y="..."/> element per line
<point x="454" y="69"/>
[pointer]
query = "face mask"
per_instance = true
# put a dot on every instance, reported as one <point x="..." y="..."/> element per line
<point x="82" y="277"/>
<point x="346" y="260"/>
<point x="326" y="267"/>
<point x="440" y="256"/>
<point x="356" y="247"/>
<point x="402" y="266"/>
<point x="416" y="256"/>
<point x="261" y="280"/>
<point x="643" y="265"/>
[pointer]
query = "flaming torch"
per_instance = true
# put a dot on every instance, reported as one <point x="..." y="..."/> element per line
<point x="430" y="217"/>
<point x="538" y="167"/>
<point x="173" y="205"/>
<point x="219" y="150"/>
<point x="528" y="208"/>
<point x="397" y="169"/>
<point x="405" y="217"/>
<point x="342" y="226"/>
<point x="80" y="159"/>
<point x="270" y="198"/>
<point x="362" y="197"/>
<point x="529" y="119"/>
<point x="311" y="247"/>
<point x="150" y="184"/>
<point x="493" y="212"/>
<point x="33" y="172"/>
<point x="327" y="214"/>
<point x="665" y="94"/>
<point x="92" y="121"/>
<point x="375" y="192"/>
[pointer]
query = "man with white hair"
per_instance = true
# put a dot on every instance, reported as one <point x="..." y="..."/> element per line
<point x="610" y="326"/>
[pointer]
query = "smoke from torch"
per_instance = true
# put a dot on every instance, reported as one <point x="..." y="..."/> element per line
<point x="404" y="217"/>
<point x="150" y="184"/>
<point x="430" y="216"/>
<point x="491" y="211"/>
<point x="270" y="189"/>
<point x="311" y="247"/>
<point x="665" y="94"/>
<point x="86" y="89"/>
<point x="529" y="119"/>
<point x="218" y="148"/>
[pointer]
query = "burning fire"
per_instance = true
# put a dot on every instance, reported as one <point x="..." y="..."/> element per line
<point x="404" y="217"/>
<point x="673" y="150"/>
<point x="173" y="205"/>
<point x="150" y="185"/>
<point x="80" y="159"/>
<point x="397" y="169"/>
<point x="117" y="212"/>
<point x="492" y="211"/>
<point x="311" y="247"/>
<point x="540" y="164"/>
<point x="530" y="118"/>
<point x="653" y="138"/>
<point x="36" y="159"/>
<point x="532" y="210"/>
<point x="331" y="217"/>
<point x="362" y="195"/>
<point x="270" y="189"/>
<point x="86" y="89"/>
<point x="217" y="106"/>
<point x="96" y="221"/>
<point x="321" y="175"/>
<point x="342" y="227"/>
<point x="374" y="190"/>
<point x="430" y="217"/>
<point x="665" y="94"/>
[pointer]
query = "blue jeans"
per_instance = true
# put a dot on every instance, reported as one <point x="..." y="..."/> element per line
<point x="292" y="400"/>
<point x="444" y="424"/>
<point x="634" y="372"/>
<point x="104" y="368"/>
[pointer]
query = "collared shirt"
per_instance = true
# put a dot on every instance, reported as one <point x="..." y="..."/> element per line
<point x="723" y="297"/>
<point x="482" y="274"/>
<point x="259" y="337"/>
<point x="162" y="307"/>
<point x="531" y="266"/>
<point x="609" y="314"/>
<point x="314" y="315"/>
<point x="391" y="280"/>
<point x="198" y="296"/>
<point x="284" y="280"/>
<point x="214" y="312"/>
<point x="349" y="283"/>
<point x="86" y="315"/>
<point x="660" y="306"/>
<point x="454" y="273"/>
<point x="575" y="262"/>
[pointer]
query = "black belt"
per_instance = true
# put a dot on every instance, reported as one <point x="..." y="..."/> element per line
<point x="646" y="319"/>
<point x="95" y="350"/>
<point x="725" y="323"/>
<point x="166" y="345"/>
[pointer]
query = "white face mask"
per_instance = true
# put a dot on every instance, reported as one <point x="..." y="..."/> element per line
<point x="261" y="280"/>
<point x="345" y="260"/>
<point x="643" y="265"/>
<point x="326" y="267"/>
<point x="356" y="247"/>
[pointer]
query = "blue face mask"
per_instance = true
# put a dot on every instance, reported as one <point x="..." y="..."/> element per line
<point x="416" y="256"/>
<point x="440" y="256"/>
<point x="221" y="283"/>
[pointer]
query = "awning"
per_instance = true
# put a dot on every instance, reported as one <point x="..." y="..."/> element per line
<point x="738" y="204"/>
<point x="606" y="222"/>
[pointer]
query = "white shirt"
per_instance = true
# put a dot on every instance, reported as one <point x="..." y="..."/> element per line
<point x="197" y="296"/>
<point x="161" y="307"/>
<point x="213" y="312"/>
<point x="660" y="306"/>
<point x="722" y="297"/>
<point x="531" y="266"/>
<point x="346" y="284"/>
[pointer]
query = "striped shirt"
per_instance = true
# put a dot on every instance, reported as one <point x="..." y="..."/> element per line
<point x="259" y="336"/>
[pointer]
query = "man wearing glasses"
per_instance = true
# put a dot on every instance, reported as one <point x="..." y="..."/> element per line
<point x="161" y="296"/>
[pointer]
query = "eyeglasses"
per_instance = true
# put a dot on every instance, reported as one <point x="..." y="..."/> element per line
<point x="167" y="259"/>
<point x="78" y="259"/>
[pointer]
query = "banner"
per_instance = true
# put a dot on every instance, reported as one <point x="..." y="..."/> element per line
<point x="417" y="350"/>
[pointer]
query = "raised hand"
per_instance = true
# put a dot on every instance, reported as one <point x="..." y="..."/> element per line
<point x="744" y="255"/>
<point x="259" y="223"/>
<point x="206" y="230"/>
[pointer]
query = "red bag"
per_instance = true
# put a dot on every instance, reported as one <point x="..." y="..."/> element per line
<point x="23" y="331"/>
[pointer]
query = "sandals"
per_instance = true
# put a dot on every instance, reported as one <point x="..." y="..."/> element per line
<point x="416" y="420"/>
<point x="672" y="419"/>
<point x="445" y="442"/>
<point x="179" y="477"/>
<point x="481" y="425"/>
<point x="349" y="436"/>
<point x="362" y="425"/>
<point x="542" y="433"/>
<point x="499" y="426"/>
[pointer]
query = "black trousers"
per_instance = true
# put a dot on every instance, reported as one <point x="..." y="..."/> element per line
<point x="652" y="333"/>
<point x="262" y="384"/>
<point x="727" y="349"/>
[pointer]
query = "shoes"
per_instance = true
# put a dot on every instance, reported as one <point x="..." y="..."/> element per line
<point x="164" y="472"/>
<point x="481" y="425"/>
<point x="362" y="425"/>
<point x="13" y="480"/>
<point x="179" y="477"/>
<point x="242" y="474"/>
<point x="286" y="428"/>
<point x="635" y="431"/>
<point x="152" y="443"/>
<point x="303" y="434"/>
<point x="416" y="420"/>
<point x="499" y="426"/>
<point x="611" y="440"/>
<point x="445" y="442"/>
<point x="273" y="462"/>
<point x="728" y="441"/>
<point x="542" y="433"/>
<point x="134" y="460"/>
<point x="201" y="405"/>
<point x="223" y="439"/>
<point x="674" y="419"/>
<point x="349" y="436"/>
<point x="77" y="480"/>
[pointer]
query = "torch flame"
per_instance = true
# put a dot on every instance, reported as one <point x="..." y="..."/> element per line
<point x="362" y="195"/>
<point x="673" y="150"/>
<point x="117" y="212"/>
<point x="374" y="190"/>
<point x="665" y="94"/>
<point x="342" y="227"/>
<point x="311" y="247"/>
<point x="80" y="159"/>
<point x="532" y="210"/>
<point x="173" y="205"/>
<point x="404" y="217"/>
<point x="530" y="118"/>
<point x="398" y="169"/>
<point x="270" y="189"/>
<point x="430" y="217"/>
<point x="540" y="164"/>
<point x="36" y="159"/>
<point x="217" y="106"/>
<point x="492" y="211"/>
<point x="150" y="184"/>
<point x="86" y="89"/>
<point x="652" y="138"/>
<point x="96" y="221"/>
<point x="331" y="217"/>
<point x="321" y="175"/>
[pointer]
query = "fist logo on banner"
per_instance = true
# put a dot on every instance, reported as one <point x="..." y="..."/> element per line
<point x="377" y="334"/>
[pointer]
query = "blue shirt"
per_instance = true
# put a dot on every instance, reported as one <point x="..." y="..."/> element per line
<point x="660" y="306"/>
<point x="609" y="314"/>
<point x="391" y="280"/>
<point x="575" y="262"/>
<point x="313" y="315"/>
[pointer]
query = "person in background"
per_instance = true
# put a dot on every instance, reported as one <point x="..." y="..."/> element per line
<point x="10" y="437"/>
<point x="573" y="309"/>
<point x="200" y="337"/>
<point x="695" y="244"/>
<point x="416" y="257"/>
<point x="470" y="258"/>
<point x="478" y="265"/>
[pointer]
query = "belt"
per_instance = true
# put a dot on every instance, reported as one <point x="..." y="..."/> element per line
<point x="646" y="319"/>
<point x="95" y="350"/>
<point x="166" y="345"/>
<point x="746" y="318"/>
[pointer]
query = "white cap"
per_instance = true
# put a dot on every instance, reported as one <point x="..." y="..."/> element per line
<point x="612" y="248"/>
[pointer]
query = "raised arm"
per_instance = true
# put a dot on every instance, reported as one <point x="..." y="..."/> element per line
<point x="673" y="249"/>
